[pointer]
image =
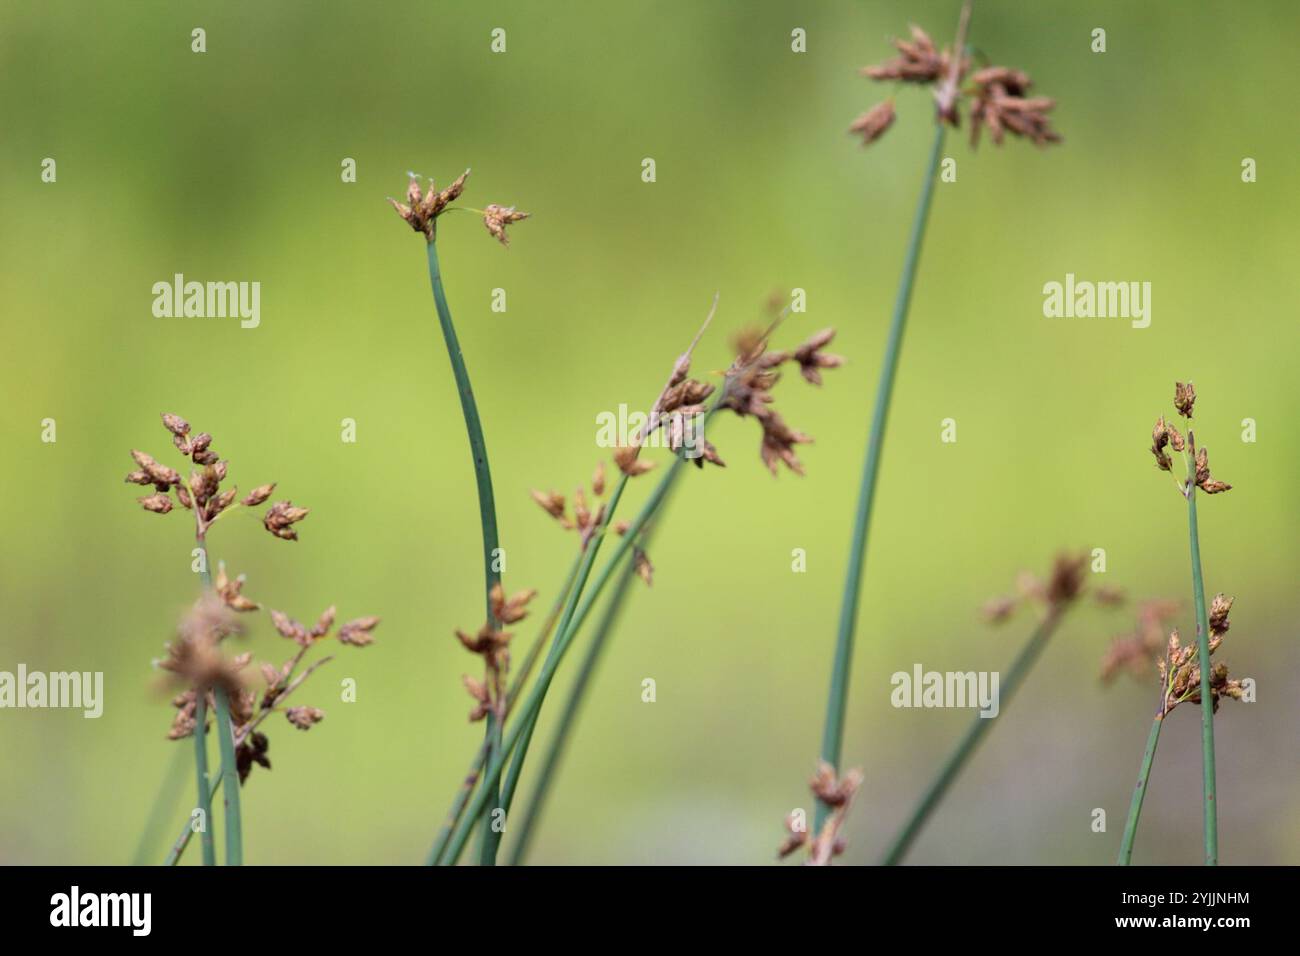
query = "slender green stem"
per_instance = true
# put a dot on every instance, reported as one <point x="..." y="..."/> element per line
<point x="187" y="831"/>
<point x="978" y="728"/>
<point x="1207" y="700"/>
<point x="837" y="700"/>
<point x="532" y="705"/>
<point x="529" y="720"/>
<point x="226" y="738"/>
<point x="201" y="779"/>
<point x="564" y="729"/>
<point x="1140" y="791"/>
<point x="476" y="765"/>
<point x="486" y="502"/>
<point x="172" y="783"/>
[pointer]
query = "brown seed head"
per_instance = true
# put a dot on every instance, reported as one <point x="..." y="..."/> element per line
<point x="176" y="425"/>
<point x="358" y="632"/>
<point x="281" y="517"/>
<point x="304" y="718"/>
<point x="497" y="218"/>
<point x="1184" y="398"/>
<point x="874" y="123"/>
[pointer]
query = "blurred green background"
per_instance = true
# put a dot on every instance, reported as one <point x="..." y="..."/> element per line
<point x="226" y="166"/>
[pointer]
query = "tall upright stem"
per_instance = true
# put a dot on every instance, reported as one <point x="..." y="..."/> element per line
<point x="563" y="730"/>
<point x="1140" y="791"/>
<point x="471" y="777"/>
<point x="486" y="502"/>
<point x="226" y="740"/>
<point x="1207" y="701"/>
<point x="978" y="728"/>
<point x="201" y="779"/>
<point x="208" y="841"/>
<point x="837" y="701"/>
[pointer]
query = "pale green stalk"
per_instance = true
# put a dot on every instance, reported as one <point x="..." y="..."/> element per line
<point x="486" y="502"/>
<point x="1209" y="798"/>
<point x="476" y="765"/>
<point x="837" y="700"/>
<point x="978" y="728"/>
<point x="1140" y="791"/>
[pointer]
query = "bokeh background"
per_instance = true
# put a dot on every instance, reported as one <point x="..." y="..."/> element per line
<point x="226" y="166"/>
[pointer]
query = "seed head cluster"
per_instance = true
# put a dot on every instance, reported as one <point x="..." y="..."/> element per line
<point x="997" y="96"/>
<point x="837" y="793"/>
<point x="421" y="210"/>
<point x="195" y="662"/>
<point x="201" y="493"/>
<point x="1166" y="436"/>
<point x="492" y="643"/>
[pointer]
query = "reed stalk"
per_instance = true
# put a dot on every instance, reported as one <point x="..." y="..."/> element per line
<point x="486" y="501"/>
<point x="201" y="781"/>
<point x="837" y="700"/>
<point x="966" y="747"/>
<point x="1140" y="791"/>
<point x="564" y="637"/>
<point x="1209" y="800"/>
<point x="554" y="752"/>
<point x="476" y="765"/>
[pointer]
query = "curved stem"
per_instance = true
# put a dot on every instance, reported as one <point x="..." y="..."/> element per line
<point x="837" y="701"/>
<point x="1207" y="699"/>
<point x="486" y="501"/>
<point x="225" y="737"/>
<point x="1139" y="792"/>
<point x="563" y="639"/>
<point x="978" y="728"/>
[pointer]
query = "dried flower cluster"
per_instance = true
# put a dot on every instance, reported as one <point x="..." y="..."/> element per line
<point x="751" y="378"/>
<point x="197" y="664"/>
<point x="1062" y="588"/>
<point x="827" y="843"/>
<point x="997" y="97"/>
<point x="1180" y="669"/>
<point x="194" y="660"/>
<point x="421" y="211"/>
<point x="492" y="643"/>
<point x="201" y="493"/>
<point x="679" y="410"/>
<point x="1165" y="435"/>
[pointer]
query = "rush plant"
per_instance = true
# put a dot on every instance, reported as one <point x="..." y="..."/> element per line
<point x="1186" y="674"/>
<point x="210" y="685"/>
<point x="997" y="101"/>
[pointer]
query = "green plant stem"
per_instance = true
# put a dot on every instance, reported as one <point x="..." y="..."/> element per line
<point x="1207" y="699"/>
<point x="201" y="779"/>
<point x="564" y="637"/>
<point x="1140" y="791"/>
<point x="529" y="720"/>
<point x="476" y="765"/>
<point x="172" y="783"/>
<point x="187" y="831"/>
<point x="486" y="502"/>
<point x="564" y="729"/>
<point x="978" y="728"/>
<point x="226" y="739"/>
<point x="837" y="700"/>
